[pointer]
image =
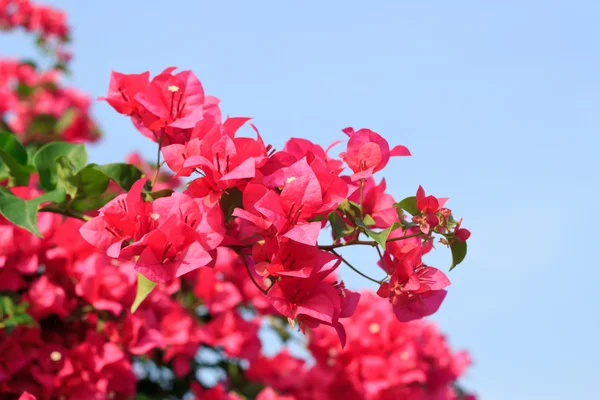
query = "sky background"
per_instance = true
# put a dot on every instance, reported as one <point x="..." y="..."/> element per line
<point x="497" y="101"/>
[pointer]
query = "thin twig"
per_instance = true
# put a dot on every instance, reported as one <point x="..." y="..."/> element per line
<point x="158" y="164"/>
<point x="265" y="292"/>
<point x="356" y="270"/>
<point x="328" y="247"/>
<point x="381" y="258"/>
<point x="405" y="237"/>
<point x="371" y="243"/>
<point x="362" y="192"/>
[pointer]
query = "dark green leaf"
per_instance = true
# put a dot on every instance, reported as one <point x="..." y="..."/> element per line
<point x="144" y="287"/>
<point x="409" y="204"/>
<point x="42" y="124"/>
<point x="91" y="202"/>
<point x="15" y="159"/>
<point x="124" y="175"/>
<point x="46" y="164"/>
<point x="23" y="213"/>
<point x="459" y="252"/>
<point x="350" y="209"/>
<point x="23" y="90"/>
<point x="339" y="227"/>
<point x="158" y="194"/>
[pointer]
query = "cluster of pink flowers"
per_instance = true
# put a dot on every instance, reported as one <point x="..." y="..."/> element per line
<point x="383" y="359"/>
<point x="122" y="300"/>
<point x="267" y="205"/>
<point x="36" y="107"/>
<point x="48" y="23"/>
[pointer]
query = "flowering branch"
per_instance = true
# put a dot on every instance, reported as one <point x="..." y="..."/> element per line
<point x="357" y="270"/>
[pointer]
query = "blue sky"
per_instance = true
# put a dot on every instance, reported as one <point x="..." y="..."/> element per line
<point x="498" y="102"/>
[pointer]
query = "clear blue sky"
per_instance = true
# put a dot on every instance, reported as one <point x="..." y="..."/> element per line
<point x="498" y="101"/>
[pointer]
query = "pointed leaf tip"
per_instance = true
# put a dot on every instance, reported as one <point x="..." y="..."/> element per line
<point x="144" y="288"/>
<point x="459" y="252"/>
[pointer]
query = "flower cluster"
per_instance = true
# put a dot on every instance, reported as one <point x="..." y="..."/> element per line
<point x="383" y="359"/>
<point x="267" y="205"/>
<point x="38" y="109"/>
<point x="48" y="23"/>
<point x="117" y="281"/>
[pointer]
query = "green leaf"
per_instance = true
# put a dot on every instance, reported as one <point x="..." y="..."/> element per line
<point x="339" y="227"/>
<point x="7" y="306"/>
<point x="92" y="202"/>
<point x="369" y="220"/>
<point x="45" y="160"/>
<point x="17" y="319"/>
<point x="350" y="209"/>
<point x="144" y="288"/>
<point x="93" y="180"/>
<point x="66" y="176"/>
<point x="42" y="124"/>
<point x="124" y="175"/>
<point x="409" y="204"/>
<point x="15" y="159"/>
<point x="380" y="237"/>
<point x="65" y="120"/>
<point x="23" y="213"/>
<point x="459" y="252"/>
<point x="158" y="194"/>
<point x="24" y="90"/>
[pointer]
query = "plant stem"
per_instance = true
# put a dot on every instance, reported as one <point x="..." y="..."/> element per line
<point x="265" y="292"/>
<point x="371" y="243"/>
<point x="158" y="164"/>
<point x="362" y="190"/>
<point x="329" y="247"/>
<point x="68" y="213"/>
<point x="405" y="237"/>
<point x="356" y="270"/>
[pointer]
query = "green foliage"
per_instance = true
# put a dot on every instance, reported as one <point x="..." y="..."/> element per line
<point x="15" y="160"/>
<point x="409" y="204"/>
<point x="459" y="252"/>
<point x="46" y="161"/>
<point x="144" y="288"/>
<point x="380" y="237"/>
<point x="339" y="227"/>
<point x="22" y="212"/>
<point x="13" y="315"/>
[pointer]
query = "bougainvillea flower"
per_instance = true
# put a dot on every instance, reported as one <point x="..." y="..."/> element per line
<point x="368" y="152"/>
<point x="461" y="234"/>
<point x="237" y="336"/>
<point x="428" y="206"/>
<point x="170" y="251"/>
<point x="265" y="208"/>
<point x="126" y="217"/>
<point x="106" y="284"/>
<point x="313" y="302"/>
<point x="291" y="258"/>
<point x="172" y="100"/>
<point x="122" y="90"/>
<point x="377" y="203"/>
<point x="415" y="290"/>
<point x="206" y="220"/>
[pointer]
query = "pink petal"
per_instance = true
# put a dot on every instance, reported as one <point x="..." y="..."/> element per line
<point x="400" y="151"/>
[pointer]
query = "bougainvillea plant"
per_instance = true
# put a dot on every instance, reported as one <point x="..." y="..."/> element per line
<point x="152" y="280"/>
